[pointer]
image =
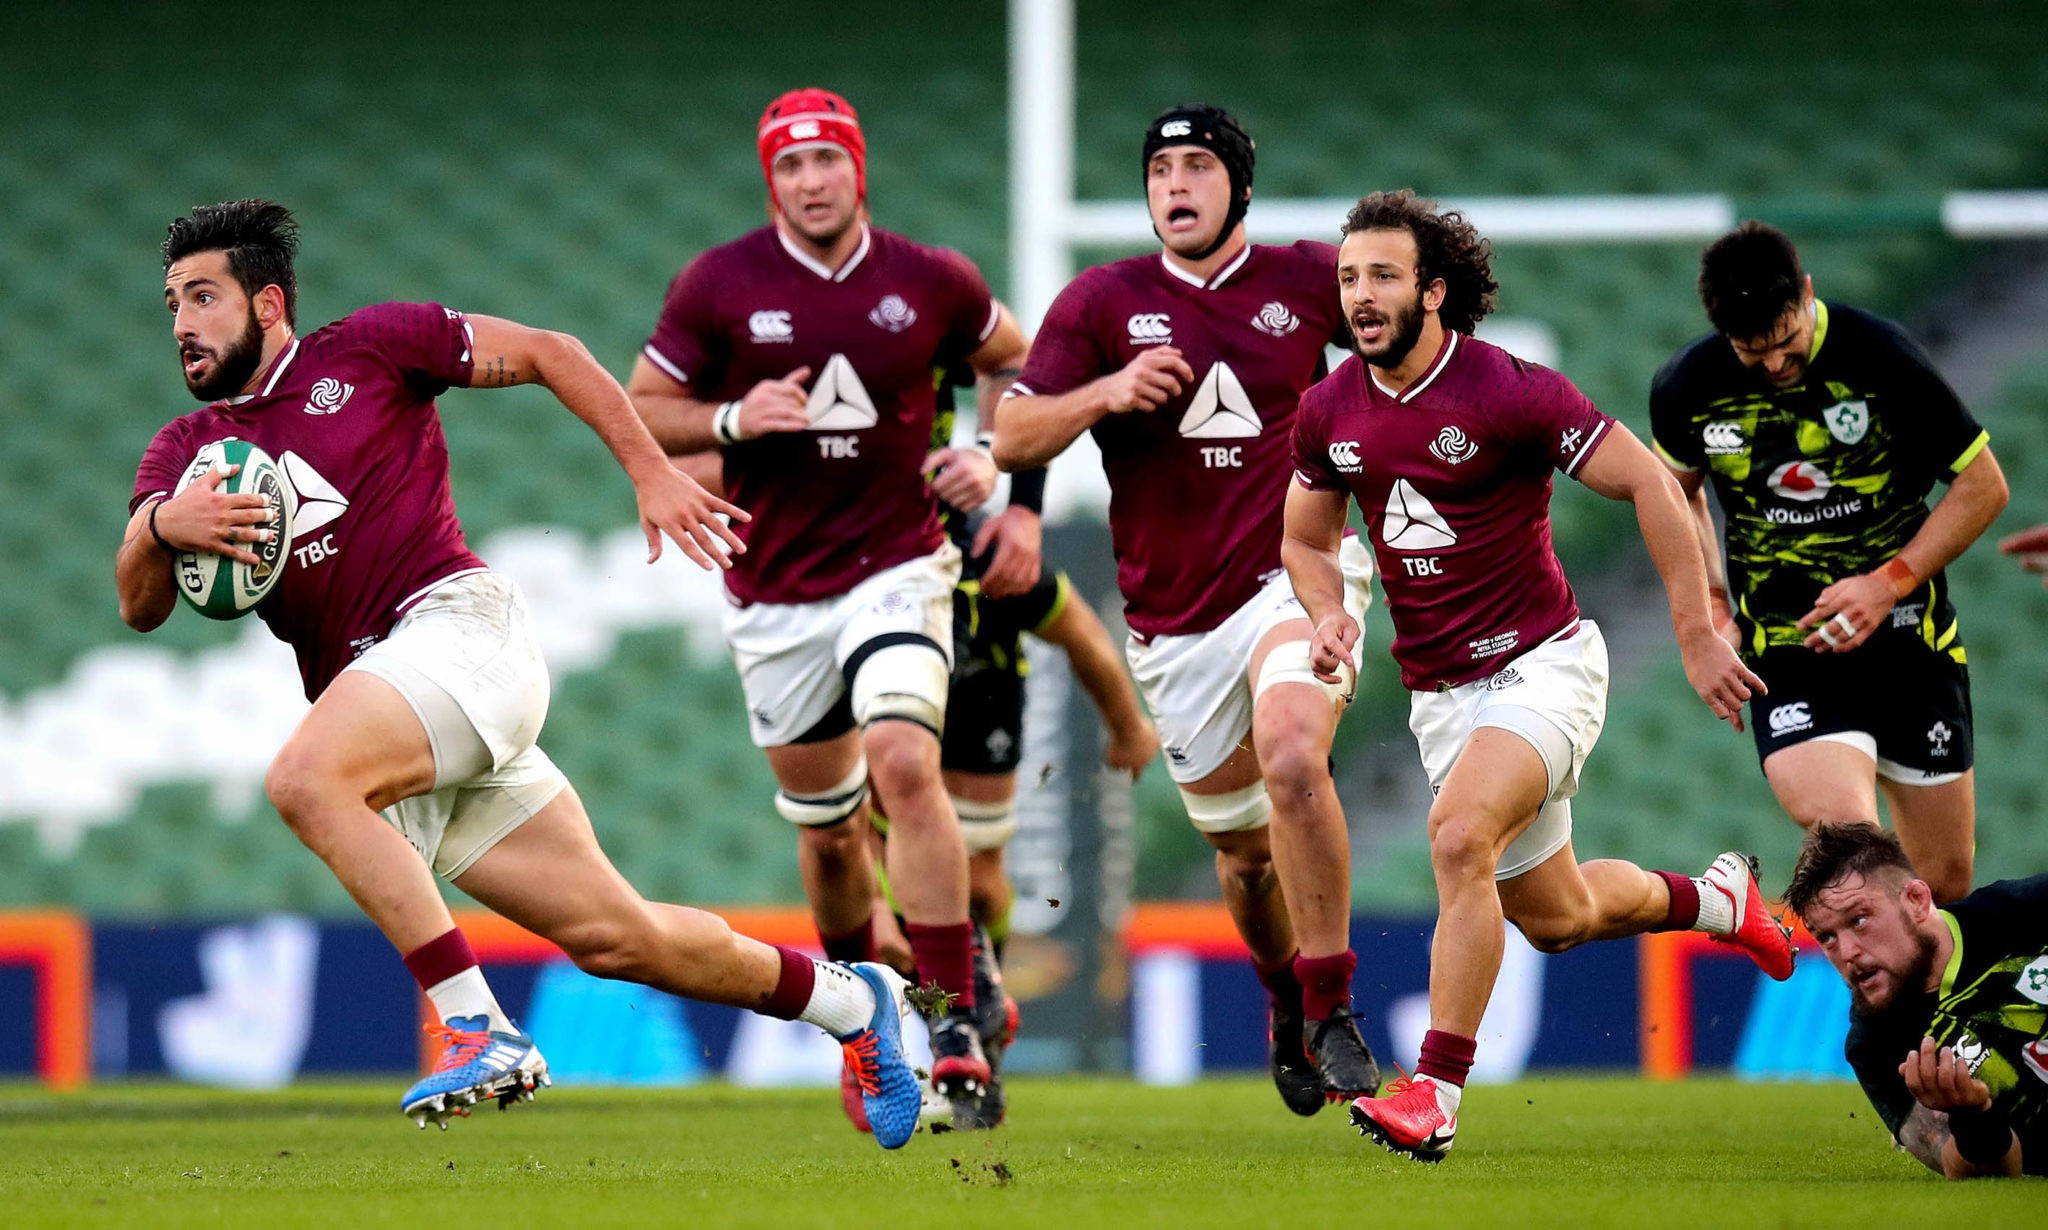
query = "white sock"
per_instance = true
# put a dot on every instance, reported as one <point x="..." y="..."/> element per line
<point x="1447" y="1097"/>
<point x="1717" y="913"/>
<point x="467" y="994"/>
<point x="841" y="1002"/>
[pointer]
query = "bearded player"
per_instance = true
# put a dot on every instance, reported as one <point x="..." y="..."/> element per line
<point x="1185" y="368"/>
<point x="804" y="351"/>
<point x="1448" y="445"/>
<point x="427" y="683"/>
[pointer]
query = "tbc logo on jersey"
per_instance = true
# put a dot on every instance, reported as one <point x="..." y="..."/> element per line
<point x="1176" y="128"/>
<point x="1937" y="739"/>
<point x="893" y="314"/>
<point x="1412" y="523"/>
<point x="1848" y="421"/>
<point x="839" y="401"/>
<point x="1788" y="719"/>
<point x="328" y="395"/>
<point x="2033" y="982"/>
<point x="1722" y="439"/>
<point x="1344" y="455"/>
<point x="1452" y="445"/>
<point x="1275" y="319"/>
<point x="318" y="501"/>
<point x="1800" y="480"/>
<point x="770" y="326"/>
<point x="1150" y="329"/>
<point x="1221" y="410"/>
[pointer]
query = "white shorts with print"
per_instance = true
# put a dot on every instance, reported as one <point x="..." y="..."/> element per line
<point x="465" y="658"/>
<point x="792" y="657"/>
<point x="1555" y="697"/>
<point x="1199" y="686"/>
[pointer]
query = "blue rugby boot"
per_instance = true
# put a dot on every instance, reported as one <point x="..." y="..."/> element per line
<point x="889" y="1090"/>
<point x="477" y="1063"/>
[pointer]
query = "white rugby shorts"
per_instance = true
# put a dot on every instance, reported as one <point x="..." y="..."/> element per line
<point x="1199" y="687"/>
<point x="792" y="656"/>
<point x="1555" y="697"/>
<point x="465" y="658"/>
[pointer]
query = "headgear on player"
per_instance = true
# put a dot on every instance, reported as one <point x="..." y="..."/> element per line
<point x="1217" y="131"/>
<point x="806" y="119"/>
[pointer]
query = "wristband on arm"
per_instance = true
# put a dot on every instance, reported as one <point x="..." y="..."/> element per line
<point x="725" y="423"/>
<point x="1982" y="1137"/>
<point x="1027" y="489"/>
<point x="157" y="534"/>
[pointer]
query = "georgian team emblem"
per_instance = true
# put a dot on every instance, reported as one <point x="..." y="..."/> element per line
<point x="1275" y="320"/>
<point x="1453" y="446"/>
<point x="1801" y="480"/>
<point x="893" y="314"/>
<point x="1847" y="421"/>
<point x="328" y="396"/>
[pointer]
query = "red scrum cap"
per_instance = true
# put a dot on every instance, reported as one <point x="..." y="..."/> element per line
<point x="806" y="118"/>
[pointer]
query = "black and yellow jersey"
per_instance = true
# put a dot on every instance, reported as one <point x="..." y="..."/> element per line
<point x="1990" y="1007"/>
<point x="1822" y="480"/>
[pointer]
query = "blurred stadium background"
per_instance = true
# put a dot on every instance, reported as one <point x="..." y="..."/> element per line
<point x="556" y="165"/>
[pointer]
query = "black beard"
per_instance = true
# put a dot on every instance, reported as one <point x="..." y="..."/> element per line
<point x="1404" y="330"/>
<point x="232" y="366"/>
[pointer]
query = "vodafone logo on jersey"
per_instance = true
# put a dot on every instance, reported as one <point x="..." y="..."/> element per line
<point x="1801" y="480"/>
<point x="770" y="326"/>
<point x="1150" y="329"/>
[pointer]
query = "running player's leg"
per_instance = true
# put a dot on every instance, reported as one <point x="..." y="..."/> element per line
<point x="822" y="789"/>
<point x="987" y="806"/>
<point x="1827" y="778"/>
<point x="1938" y="826"/>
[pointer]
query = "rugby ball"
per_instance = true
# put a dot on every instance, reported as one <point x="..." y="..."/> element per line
<point x="218" y="587"/>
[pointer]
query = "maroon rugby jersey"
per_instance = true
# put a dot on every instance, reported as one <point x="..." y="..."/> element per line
<point x="348" y="412"/>
<point x="1453" y="476"/>
<point x="840" y="502"/>
<point x="1196" y="487"/>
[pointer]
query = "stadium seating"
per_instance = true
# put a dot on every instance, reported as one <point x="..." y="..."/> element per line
<point x="502" y="181"/>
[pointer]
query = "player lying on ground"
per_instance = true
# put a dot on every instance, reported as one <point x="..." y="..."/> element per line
<point x="1185" y="367"/>
<point x="427" y="683"/>
<point x="1448" y="444"/>
<point x="1823" y="429"/>
<point x="1947" y="1005"/>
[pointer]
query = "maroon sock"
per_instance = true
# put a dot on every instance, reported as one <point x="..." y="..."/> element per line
<point x="1685" y="902"/>
<point x="856" y="945"/>
<point x="1325" y="984"/>
<point x="945" y="955"/>
<point x="440" y="959"/>
<point x="1446" y="1057"/>
<point x="792" y="993"/>
<point x="1279" y="981"/>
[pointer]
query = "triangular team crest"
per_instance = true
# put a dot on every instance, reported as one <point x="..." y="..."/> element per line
<point x="1412" y="523"/>
<point x="839" y="401"/>
<point x="318" y="501"/>
<point x="1220" y="411"/>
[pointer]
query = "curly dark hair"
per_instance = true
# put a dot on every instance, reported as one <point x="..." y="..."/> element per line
<point x="1835" y="850"/>
<point x="259" y="237"/>
<point x="1749" y="279"/>
<point x="1447" y="246"/>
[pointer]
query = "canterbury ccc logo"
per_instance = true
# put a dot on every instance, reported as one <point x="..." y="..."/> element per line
<point x="1344" y="455"/>
<point x="770" y="326"/>
<point x="1176" y="128"/>
<point x="1151" y="327"/>
<point x="1722" y="439"/>
<point x="805" y="130"/>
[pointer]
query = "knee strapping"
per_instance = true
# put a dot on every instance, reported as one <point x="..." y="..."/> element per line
<point x="905" y="680"/>
<point x="826" y="806"/>
<point x="1231" y="812"/>
<point x="1288" y="662"/>
<point x="986" y="826"/>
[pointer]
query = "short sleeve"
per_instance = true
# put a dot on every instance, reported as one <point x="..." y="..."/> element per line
<point x="687" y="342"/>
<point x="1314" y="466"/>
<point x="2010" y="915"/>
<point x="432" y="345"/>
<point x="1558" y="419"/>
<point x="163" y="462"/>
<point x="1671" y="424"/>
<point x="1936" y="424"/>
<point x="971" y="312"/>
<point x="1040" y="605"/>
<point x="1876" y="1064"/>
<point x="1064" y="355"/>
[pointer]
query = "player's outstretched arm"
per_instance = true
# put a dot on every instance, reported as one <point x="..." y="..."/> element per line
<point x="1312" y="534"/>
<point x="1720" y="605"/>
<point x="682" y="424"/>
<point x="1962" y="514"/>
<point x="1033" y="428"/>
<point x="199" y="518"/>
<point x="1622" y="469"/>
<point x="2030" y="548"/>
<point x="1950" y="1103"/>
<point x="1078" y="631"/>
<point x="670" y="503"/>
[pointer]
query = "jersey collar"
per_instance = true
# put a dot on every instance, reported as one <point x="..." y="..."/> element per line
<point x="1436" y="369"/>
<point x="277" y="367"/>
<point x="817" y="266"/>
<point x="1955" y="956"/>
<point x="1820" y="329"/>
<point x="1215" y="280"/>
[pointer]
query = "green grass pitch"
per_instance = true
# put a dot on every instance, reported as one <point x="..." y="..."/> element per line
<point x="1553" y="1152"/>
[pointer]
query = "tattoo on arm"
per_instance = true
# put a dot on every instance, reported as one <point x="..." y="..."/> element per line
<point x="1924" y="1134"/>
<point x="495" y="374"/>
